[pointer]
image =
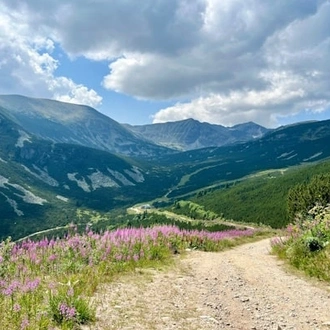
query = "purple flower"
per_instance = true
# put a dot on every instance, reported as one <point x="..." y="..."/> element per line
<point x="67" y="312"/>
<point x="118" y="257"/>
<point x="31" y="286"/>
<point x="135" y="257"/>
<point x="16" y="307"/>
<point x="25" y="323"/>
<point x="11" y="288"/>
<point x="70" y="292"/>
<point x="52" y="257"/>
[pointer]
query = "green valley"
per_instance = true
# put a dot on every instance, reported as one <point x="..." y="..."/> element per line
<point x="49" y="178"/>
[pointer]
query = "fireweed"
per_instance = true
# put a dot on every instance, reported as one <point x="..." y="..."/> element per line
<point x="48" y="283"/>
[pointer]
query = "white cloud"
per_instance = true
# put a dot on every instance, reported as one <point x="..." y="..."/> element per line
<point x="66" y="90"/>
<point x="27" y="66"/>
<point x="106" y="29"/>
<point x="285" y="94"/>
<point x="223" y="61"/>
<point x="237" y="107"/>
<point x="291" y="75"/>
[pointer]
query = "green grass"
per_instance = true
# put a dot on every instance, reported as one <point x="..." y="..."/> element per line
<point x="306" y="245"/>
<point x="193" y="210"/>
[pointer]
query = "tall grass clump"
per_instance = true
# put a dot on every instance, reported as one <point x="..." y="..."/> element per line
<point x="48" y="284"/>
<point x="306" y="243"/>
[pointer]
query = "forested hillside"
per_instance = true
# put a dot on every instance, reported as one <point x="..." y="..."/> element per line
<point x="260" y="199"/>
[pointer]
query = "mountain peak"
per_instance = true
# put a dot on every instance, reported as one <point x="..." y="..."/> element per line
<point x="51" y="109"/>
<point x="72" y="123"/>
<point x="191" y="134"/>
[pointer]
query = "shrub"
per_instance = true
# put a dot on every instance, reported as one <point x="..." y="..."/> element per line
<point x="307" y="244"/>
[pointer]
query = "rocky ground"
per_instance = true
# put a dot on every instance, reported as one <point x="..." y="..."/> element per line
<point x="243" y="288"/>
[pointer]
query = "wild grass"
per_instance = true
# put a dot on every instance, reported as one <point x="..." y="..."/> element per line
<point x="306" y="243"/>
<point x="48" y="284"/>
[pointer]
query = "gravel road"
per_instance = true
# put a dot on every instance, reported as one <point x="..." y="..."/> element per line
<point x="242" y="288"/>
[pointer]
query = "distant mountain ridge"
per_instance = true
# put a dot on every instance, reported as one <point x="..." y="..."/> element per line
<point x="79" y="124"/>
<point x="281" y="148"/>
<point x="191" y="134"/>
<point x="71" y="123"/>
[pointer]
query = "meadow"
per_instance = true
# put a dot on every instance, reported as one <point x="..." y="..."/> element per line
<point x="48" y="284"/>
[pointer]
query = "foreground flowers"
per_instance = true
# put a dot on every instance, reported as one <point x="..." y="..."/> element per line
<point x="306" y="244"/>
<point x="48" y="283"/>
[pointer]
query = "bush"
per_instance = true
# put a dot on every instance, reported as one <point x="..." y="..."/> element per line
<point x="307" y="244"/>
<point x="303" y="197"/>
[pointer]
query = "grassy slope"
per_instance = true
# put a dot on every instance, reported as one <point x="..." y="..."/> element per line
<point x="261" y="198"/>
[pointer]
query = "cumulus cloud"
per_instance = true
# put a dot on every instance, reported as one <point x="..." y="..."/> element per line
<point x="66" y="90"/>
<point x="107" y="29"/>
<point x="285" y="90"/>
<point x="223" y="61"/>
<point x="27" y="66"/>
<point x="292" y="75"/>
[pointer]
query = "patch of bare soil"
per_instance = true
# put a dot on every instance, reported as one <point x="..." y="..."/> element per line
<point x="243" y="288"/>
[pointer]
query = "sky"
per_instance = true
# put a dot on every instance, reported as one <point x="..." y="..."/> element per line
<point x="139" y="62"/>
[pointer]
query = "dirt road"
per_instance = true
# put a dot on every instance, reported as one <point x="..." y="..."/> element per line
<point x="243" y="288"/>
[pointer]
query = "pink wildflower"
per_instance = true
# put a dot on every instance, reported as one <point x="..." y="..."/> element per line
<point x="25" y="323"/>
<point x="16" y="307"/>
<point x="70" y="292"/>
<point x="11" y="288"/>
<point x="67" y="312"/>
<point x="31" y="286"/>
<point x="52" y="257"/>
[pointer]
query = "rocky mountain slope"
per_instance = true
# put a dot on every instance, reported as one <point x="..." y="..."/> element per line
<point x="39" y="179"/>
<point x="78" y="124"/>
<point x="190" y="134"/>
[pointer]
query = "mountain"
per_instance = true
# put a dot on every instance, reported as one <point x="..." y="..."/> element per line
<point x="52" y="170"/>
<point x="43" y="184"/>
<point x="79" y="124"/>
<point x="191" y="134"/>
<point x="286" y="146"/>
<point x="71" y="123"/>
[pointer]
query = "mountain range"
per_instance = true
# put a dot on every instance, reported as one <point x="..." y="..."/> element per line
<point x="190" y="134"/>
<point x="78" y="124"/>
<point x="70" y="123"/>
<point x="59" y="160"/>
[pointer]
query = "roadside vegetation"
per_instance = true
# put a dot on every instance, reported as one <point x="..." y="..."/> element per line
<point x="306" y="241"/>
<point x="49" y="283"/>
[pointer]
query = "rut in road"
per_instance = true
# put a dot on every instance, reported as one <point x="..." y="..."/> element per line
<point x="242" y="288"/>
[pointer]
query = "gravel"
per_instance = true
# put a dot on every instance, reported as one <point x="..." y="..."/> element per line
<point x="243" y="288"/>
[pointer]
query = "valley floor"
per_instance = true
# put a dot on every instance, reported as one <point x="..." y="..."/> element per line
<point x="243" y="288"/>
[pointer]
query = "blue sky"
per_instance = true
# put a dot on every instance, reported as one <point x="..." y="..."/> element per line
<point x="220" y="61"/>
<point x="121" y="107"/>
